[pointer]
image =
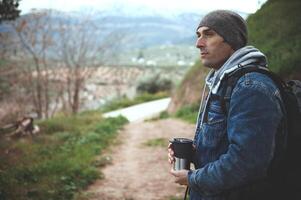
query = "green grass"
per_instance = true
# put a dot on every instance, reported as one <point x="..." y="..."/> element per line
<point x="125" y="102"/>
<point x="157" y="142"/>
<point x="162" y="115"/>
<point x="60" y="161"/>
<point x="188" y="113"/>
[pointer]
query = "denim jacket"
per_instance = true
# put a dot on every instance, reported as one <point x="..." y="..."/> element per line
<point x="235" y="150"/>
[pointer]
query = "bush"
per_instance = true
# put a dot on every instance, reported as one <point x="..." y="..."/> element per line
<point x="155" y="84"/>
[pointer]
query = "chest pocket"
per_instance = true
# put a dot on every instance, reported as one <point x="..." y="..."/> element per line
<point x="214" y="127"/>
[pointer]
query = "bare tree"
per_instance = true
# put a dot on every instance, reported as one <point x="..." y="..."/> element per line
<point x="35" y="35"/>
<point x="82" y="50"/>
<point x="56" y="56"/>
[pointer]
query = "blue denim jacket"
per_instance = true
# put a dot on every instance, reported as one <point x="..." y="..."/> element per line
<point x="236" y="150"/>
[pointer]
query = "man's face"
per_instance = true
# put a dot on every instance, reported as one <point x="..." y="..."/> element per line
<point x="213" y="50"/>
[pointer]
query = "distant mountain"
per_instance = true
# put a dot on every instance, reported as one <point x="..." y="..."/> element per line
<point x="132" y="31"/>
<point x="143" y="30"/>
<point x="147" y="31"/>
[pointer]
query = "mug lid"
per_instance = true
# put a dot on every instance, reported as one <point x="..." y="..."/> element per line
<point x="181" y="140"/>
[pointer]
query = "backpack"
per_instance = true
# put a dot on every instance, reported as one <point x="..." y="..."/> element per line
<point x="285" y="169"/>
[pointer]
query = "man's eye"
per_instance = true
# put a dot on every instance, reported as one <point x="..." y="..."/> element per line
<point x="208" y="34"/>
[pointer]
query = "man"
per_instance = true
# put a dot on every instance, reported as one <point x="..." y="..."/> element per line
<point x="233" y="150"/>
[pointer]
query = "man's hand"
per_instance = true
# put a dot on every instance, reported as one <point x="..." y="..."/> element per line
<point x="171" y="154"/>
<point x="181" y="176"/>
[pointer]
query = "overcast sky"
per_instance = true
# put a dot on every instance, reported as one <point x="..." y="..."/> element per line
<point x="248" y="6"/>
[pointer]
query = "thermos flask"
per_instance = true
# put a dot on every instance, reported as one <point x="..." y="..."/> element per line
<point x="183" y="151"/>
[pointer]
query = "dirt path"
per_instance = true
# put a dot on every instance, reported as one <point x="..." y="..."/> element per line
<point x="139" y="171"/>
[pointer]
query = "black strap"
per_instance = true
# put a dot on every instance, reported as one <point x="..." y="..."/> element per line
<point x="186" y="192"/>
<point x="231" y="79"/>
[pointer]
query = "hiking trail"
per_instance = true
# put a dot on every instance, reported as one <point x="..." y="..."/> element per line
<point x="139" y="171"/>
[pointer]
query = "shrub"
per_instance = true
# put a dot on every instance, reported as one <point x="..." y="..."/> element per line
<point x="154" y="84"/>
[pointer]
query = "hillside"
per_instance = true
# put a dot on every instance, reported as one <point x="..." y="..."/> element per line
<point x="276" y="30"/>
<point x="190" y="90"/>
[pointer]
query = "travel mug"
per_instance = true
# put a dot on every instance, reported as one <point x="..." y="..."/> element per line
<point x="183" y="151"/>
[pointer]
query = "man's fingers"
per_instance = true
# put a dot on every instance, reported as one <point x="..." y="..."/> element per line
<point x="170" y="151"/>
<point x="173" y="172"/>
<point x="176" y="173"/>
<point x="171" y="158"/>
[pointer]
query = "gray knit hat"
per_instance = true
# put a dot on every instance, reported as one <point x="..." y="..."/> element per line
<point x="231" y="26"/>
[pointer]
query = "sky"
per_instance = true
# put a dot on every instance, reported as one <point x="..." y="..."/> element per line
<point x="247" y="6"/>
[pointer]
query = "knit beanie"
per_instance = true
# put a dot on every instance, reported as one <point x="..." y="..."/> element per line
<point x="229" y="25"/>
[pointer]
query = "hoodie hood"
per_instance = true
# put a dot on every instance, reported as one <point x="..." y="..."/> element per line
<point x="245" y="56"/>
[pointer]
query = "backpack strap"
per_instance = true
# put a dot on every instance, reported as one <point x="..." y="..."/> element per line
<point x="230" y="80"/>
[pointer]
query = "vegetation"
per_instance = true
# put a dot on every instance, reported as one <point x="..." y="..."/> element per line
<point x="9" y="9"/>
<point x="155" y="84"/>
<point x="157" y="142"/>
<point x="188" y="113"/>
<point x="275" y="29"/>
<point x="163" y="115"/>
<point x="190" y="90"/>
<point x="126" y="102"/>
<point x="58" y="162"/>
<point x="5" y="82"/>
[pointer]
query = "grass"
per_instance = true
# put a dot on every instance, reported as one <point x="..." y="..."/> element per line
<point x="157" y="142"/>
<point x="125" y="102"/>
<point x="188" y="113"/>
<point x="60" y="161"/>
<point x="162" y="115"/>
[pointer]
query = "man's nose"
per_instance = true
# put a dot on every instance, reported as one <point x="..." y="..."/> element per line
<point x="200" y="42"/>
